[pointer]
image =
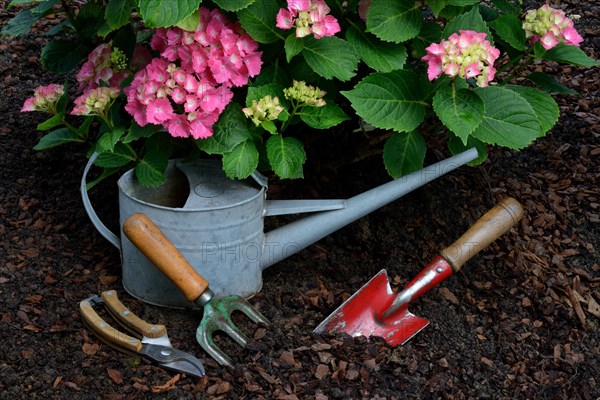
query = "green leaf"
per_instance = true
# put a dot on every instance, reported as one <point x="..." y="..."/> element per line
<point x="456" y="146"/>
<point x="509" y="28"/>
<point x="271" y="74"/>
<point x="56" y="138"/>
<point x="62" y="56"/>
<point x="20" y="24"/>
<point x="259" y="19"/>
<point x="330" y="57"/>
<point x="242" y="161"/>
<point x="323" y="117"/>
<point x="125" y="40"/>
<point x="394" y="20"/>
<point x="258" y="92"/>
<point x="293" y="46"/>
<point x="569" y="55"/>
<point x="229" y="131"/>
<point x="377" y="54"/>
<point x="269" y="126"/>
<point x="508" y="120"/>
<point x="390" y="101"/>
<point x="150" y="171"/>
<point x="549" y="84"/>
<point x="20" y="2"/>
<point x="461" y="3"/>
<point x="106" y="172"/>
<point x="430" y="33"/>
<point x="89" y="20"/>
<point x="136" y="132"/>
<point x="51" y="122"/>
<point x="191" y="22"/>
<point x="436" y="6"/>
<point x="470" y="20"/>
<point x="119" y="157"/>
<point x="461" y="110"/>
<point x="543" y="105"/>
<point x="106" y="142"/>
<point x="165" y="13"/>
<point x="84" y="128"/>
<point x="233" y="5"/>
<point x="404" y="153"/>
<point x="117" y="13"/>
<point x="507" y="7"/>
<point x="286" y="156"/>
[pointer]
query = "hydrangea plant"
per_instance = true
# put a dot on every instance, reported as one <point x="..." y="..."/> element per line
<point x="243" y="79"/>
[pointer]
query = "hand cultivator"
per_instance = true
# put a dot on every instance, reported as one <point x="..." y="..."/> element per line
<point x="148" y="238"/>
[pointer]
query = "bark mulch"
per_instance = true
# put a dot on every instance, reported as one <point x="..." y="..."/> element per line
<point x="521" y="321"/>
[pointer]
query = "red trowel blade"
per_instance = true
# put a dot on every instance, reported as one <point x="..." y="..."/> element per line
<point x="360" y="315"/>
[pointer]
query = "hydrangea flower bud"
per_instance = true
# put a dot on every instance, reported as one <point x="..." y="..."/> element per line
<point x="466" y="54"/>
<point x="44" y="99"/>
<point x="305" y="94"/>
<point x="550" y="26"/>
<point x="265" y="109"/>
<point x="118" y="59"/>
<point x="95" y="101"/>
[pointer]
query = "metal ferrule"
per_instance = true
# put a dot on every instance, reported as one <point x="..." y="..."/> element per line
<point x="435" y="272"/>
<point x="204" y="298"/>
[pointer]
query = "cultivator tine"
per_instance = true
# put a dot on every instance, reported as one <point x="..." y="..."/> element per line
<point x="204" y="337"/>
<point x="234" y="303"/>
<point x="217" y="317"/>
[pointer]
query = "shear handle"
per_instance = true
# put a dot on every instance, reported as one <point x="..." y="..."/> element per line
<point x="128" y="319"/>
<point x="107" y="332"/>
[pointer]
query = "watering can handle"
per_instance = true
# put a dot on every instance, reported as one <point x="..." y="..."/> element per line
<point x="153" y="243"/>
<point x="104" y="231"/>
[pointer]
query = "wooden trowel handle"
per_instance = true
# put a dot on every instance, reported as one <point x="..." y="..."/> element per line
<point x="488" y="228"/>
<point x="150" y="240"/>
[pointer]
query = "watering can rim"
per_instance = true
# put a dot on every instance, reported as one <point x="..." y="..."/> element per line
<point x="127" y="175"/>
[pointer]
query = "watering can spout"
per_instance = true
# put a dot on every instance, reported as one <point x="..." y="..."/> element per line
<point x="293" y="237"/>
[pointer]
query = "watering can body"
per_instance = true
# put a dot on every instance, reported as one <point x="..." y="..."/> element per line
<point x="218" y="225"/>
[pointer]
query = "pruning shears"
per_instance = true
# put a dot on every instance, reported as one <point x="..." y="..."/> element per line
<point x="152" y="341"/>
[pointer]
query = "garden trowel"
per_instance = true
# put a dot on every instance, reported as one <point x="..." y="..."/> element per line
<point x="374" y="310"/>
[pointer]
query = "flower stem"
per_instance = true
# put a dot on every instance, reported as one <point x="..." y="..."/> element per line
<point x="522" y="66"/>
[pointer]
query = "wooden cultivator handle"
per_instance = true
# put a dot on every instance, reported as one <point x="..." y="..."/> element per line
<point x="488" y="228"/>
<point x="150" y="240"/>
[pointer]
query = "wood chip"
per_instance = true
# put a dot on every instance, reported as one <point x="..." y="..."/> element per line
<point x="576" y="306"/>
<point x="593" y="307"/>
<point x="170" y="384"/>
<point x="115" y="375"/>
<point x="322" y="371"/>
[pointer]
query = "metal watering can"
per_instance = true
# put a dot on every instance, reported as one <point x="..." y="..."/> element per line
<point x="219" y="224"/>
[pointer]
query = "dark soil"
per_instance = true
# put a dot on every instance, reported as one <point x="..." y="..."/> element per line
<point x="520" y="321"/>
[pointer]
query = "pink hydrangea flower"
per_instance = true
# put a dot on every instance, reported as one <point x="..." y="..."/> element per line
<point x="189" y="85"/>
<point x="44" y="99"/>
<point x="308" y="16"/>
<point x="551" y="27"/>
<point x="466" y="54"/>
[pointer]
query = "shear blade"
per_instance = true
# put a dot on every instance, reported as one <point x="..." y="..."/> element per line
<point x="360" y="315"/>
<point x="174" y="359"/>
